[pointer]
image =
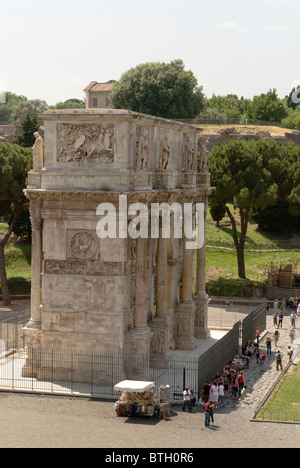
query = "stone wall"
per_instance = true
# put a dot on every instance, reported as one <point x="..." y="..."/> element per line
<point x="8" y="133"/>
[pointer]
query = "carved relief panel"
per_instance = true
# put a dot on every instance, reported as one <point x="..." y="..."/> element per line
<point x="85" y="143"/>
<point x="82" y="245"/>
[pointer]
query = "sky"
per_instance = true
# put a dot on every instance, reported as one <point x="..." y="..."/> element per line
<point x="53" y="50"/>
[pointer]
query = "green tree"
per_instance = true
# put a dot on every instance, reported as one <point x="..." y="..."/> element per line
<point x="240" y="173"/>
<point x="31" y="108"/>
<point x="293" y="119"/>
<point x="266" y="107"/>
<point x="15" y="162"/>
<point x="160" y="89"/>
<point x="7" y="109"/>
<point x="69" y="104"/>
<point x="217" y="212"/>
<point x="29" y="127"/>
<point x="293" y="100"/>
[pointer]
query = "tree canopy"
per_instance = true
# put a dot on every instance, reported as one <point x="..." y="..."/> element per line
<point x="255" y="175"/>
<point x="161" y="89"/>
<point x="15" y="162"/>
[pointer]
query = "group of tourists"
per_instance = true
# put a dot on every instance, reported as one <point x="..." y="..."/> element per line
<point x="231" y="381"/>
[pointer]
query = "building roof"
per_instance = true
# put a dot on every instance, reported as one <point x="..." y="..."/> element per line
<point x="95" y="86"/>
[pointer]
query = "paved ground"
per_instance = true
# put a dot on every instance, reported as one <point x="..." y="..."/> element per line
<point x="40" y="421"/>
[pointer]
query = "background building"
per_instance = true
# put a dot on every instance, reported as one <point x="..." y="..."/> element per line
<point x="97" y="94"/>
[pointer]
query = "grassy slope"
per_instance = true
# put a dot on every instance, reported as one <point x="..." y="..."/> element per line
<point x="286" y="398"/>
<point x="222" y="272"/>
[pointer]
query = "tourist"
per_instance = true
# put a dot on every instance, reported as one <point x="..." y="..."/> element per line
<point x="293" y="319"/>
<point x="207" y="410"/>
<point x="257" y="355"/>
<point x="292" y="334"/>
<point x="298" y="310"/>
<point x="290" y="353"/>
<point x="269" y="346"/>
<point x="214" y="394"/>
<point x="278" y="358"/>
<point x="257" y="336"/>
<point x="275" y="317"/>
<point x="241" y="382"/>
<point x="283" y="306"/>
<point x="280" y="319"/>
<point x="276" y="303"/>
<point x="193" y="398"/>
<point x="186" y="400"/>
<point x="276" y="337"/>
<point x="243" y="393"/>
<point x="205" y="392"/>
<point x="234" y="387"/>
<point x="263" y="359"/>
<point x="226" y="386"/>
<point x="221" y="393"/>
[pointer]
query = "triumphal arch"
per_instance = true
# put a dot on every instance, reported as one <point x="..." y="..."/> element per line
<point x="103" y="278"/>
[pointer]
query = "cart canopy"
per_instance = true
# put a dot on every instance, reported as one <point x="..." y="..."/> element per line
<point x="134" y="386"/>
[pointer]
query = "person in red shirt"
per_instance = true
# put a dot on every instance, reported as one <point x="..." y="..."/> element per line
<point x="205" y="392"/>
<point x="263" y="359"/>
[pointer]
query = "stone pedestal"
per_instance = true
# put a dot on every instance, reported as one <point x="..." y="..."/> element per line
<point x="184" y="326"/>
<point x="202" y="331"/>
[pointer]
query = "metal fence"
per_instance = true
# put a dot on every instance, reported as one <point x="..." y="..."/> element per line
<point x="280" y="417"/>
<point x="11" y="333"/>
<point x="80" y="374"/>
<point x="257" y="319"/>
<point x="94" y="375"/>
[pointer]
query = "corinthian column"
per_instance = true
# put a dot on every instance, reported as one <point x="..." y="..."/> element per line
<point x="160" y="324"/>
<point x="201" y="298"/>
<point x="137" y="342"/>
<point x="36" y="266"/>
<point x="185" y="313"/>
<point x="141" y="301"/>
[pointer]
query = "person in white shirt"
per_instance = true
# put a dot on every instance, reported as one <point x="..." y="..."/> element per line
<point x="221" y="393"/>
<point x="214" y="394"/>
<point x="187" y="400"/>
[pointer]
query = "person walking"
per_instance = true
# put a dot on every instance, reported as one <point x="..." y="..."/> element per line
<point x="241" y="382"/>
<point x="276" y="337"/>
<point x="290" y="353"/>
<point x="280" y="320"/>
<point x="275" y="318"/>
<point x="269" y="346"/>
<point x="293" y="319"/>
<point x="263" y="359"/>
<point x="278" y="358"/>
<point x="207" y="411"/>
<point x="257" y="355"/>
<point x="283" y="306"/>
<point x="292" y="334"/>
<point x="257" y="336"/>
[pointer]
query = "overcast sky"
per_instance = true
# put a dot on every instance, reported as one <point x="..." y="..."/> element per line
<point x="52" y="50"/>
